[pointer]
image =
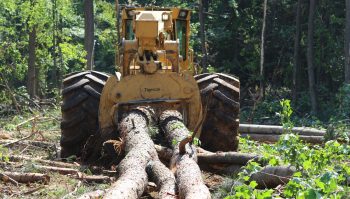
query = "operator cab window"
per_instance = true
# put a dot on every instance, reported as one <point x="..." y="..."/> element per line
<point x="129" y="33"/>
<point x="181" y="26"/>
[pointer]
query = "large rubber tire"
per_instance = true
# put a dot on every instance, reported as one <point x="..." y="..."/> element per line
<point x="81" y="96"/>
<point x="220" y="101"/>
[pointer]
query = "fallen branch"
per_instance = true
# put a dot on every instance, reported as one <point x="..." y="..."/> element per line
<point x="32" y="190"/>
<point x="72" y="193"/>
<point x="60" y="170"/>
<point x="27" y="177"/>
<point x="93" y="178"/>
<point x="16" y="141"/>
<point x="5" y="178"/>
<point x="185" y="166"/>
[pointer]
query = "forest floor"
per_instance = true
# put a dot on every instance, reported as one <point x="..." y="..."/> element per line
<point x="28" y="139"/>
<point x="36" y="137"/>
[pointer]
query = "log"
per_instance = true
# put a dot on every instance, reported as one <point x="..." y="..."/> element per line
<point x="235" y="158"/>
<point x="271" y="177"/>
<point x="164" y="179"/>
<point x="28" y="177"/>
<point x="207" y="157"/>
<point x="139" y="149"/>
<point x="273" y="129"/>
<point x="183" y="163"/>
<point x="272" y="138"/>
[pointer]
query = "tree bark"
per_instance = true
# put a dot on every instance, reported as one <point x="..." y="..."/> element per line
<point x="89" y="32"/>
<point x="32" y="69"/>
<point x="183" y="163"/>
<point x="139" y="149"/>
<point x="202" y="36"/>
<point x="164" y="179"/>
<point x="310" y="57"/>
<point x="262" y="52"/>
<point x="271" y="177"/>
<point x="347" y="43"/>
<point x="296" y="68"/>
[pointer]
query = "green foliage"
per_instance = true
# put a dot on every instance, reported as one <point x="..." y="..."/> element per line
<point x="4" y="154"/>
<point x="285" y="114"/>
<point x="321" y="171"/>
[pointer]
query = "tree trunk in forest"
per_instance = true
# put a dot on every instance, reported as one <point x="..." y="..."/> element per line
<point x="53" y="74"/>
<point x="32" y="78"/>
<point x="89" y="32"/>
<point x="262" y="53"/>
<point x="310" y="57"/>
<point x="202" y="35"/>
<point x="184" y="158"/>
<point x="347" y="43"/>
<point x="296" y="68"/>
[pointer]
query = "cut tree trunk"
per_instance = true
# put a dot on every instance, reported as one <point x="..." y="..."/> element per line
<point x="227" y="158"/>
<point x="207" y="157"/>
<point x="271" y="177"/>
<point x="164" y="179"/>
<point x="183" y="163"/>
<point x="139" y="149"/>
<point x="26" y="177"/>
<point x="273" y="129"/>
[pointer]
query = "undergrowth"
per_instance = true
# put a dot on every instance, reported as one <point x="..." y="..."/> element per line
<point x="322" y="171"/>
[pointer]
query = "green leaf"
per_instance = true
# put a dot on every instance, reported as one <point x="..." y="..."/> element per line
<point x="253" y="184"/>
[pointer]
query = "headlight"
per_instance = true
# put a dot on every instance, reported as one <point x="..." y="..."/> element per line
<point x="183" y="14"/>
<point x="165" y="17"/>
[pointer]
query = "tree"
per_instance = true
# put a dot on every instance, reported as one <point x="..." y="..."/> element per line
<point x="347" y="43"/>
<point x="32" y="74"/>
<point x="310" y="57"/>
<point x="296" y="68"/>
<point x="89" y="32"/>
<point x="262" y="46"/>
<point x="202" y="35"/>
